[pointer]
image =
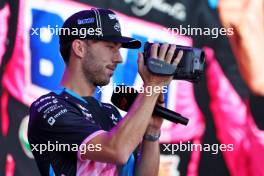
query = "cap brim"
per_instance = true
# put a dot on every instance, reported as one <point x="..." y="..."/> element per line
<point x="126" y="42"/>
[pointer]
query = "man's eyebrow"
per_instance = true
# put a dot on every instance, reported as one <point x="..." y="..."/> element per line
<point x="117" y="44"/>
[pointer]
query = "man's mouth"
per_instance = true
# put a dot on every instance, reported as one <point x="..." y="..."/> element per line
<point x="111" y="67"/>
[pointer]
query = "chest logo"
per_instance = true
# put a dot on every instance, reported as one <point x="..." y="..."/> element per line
<point x="114" y="118"/>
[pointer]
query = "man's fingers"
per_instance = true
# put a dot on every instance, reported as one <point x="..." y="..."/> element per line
<point x="163" y="51"/>
<point x="161" y="99"/>
<point x="140" y="63"/>
<point x="170" y="53"/>
<point x="154" y="50"/>
<point x="178" y="58"/>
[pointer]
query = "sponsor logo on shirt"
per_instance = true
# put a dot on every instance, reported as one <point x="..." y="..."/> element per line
<point x="52" y="120"/>
<point x="43" y="106"/>
<point x="114" y="118"/>
<point x="85" y="112"/>
<point x="43" y="99"/>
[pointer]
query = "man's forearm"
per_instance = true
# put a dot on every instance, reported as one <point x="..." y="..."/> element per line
<point x="125" y="137"/>
<point x="148" y="159"/>
<point x="121" y="141"/>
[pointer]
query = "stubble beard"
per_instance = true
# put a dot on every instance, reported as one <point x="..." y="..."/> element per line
<point x="94" y="75"/>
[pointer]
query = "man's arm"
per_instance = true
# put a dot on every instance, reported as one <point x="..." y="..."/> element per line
<point x="121" y="141"/>
<point x="149" y="156"/>
<point x="247" y="19"/>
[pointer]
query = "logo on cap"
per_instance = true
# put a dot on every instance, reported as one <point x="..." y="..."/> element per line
<point x="112" y="16"/>
<point x="117" y="27"/>
<point x="85" y="21"/>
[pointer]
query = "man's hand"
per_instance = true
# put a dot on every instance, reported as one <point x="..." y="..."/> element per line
<point x="148" y="162"/>
<point x="165" y="54"/>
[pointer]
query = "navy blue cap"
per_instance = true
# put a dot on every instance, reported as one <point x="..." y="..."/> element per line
<point x="95" y="24"/>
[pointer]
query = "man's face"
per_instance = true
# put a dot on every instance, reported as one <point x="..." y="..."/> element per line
<point x="100" y="61"/>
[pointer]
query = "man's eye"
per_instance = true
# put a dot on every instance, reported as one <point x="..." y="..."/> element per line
<point x="110" y="46"/>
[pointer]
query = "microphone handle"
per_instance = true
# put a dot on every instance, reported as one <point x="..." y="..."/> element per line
<point x="170" y="115"/>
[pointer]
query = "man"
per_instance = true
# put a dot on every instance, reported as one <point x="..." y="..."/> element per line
<point x="247" y="19"/>
<point x="72" y="116"/>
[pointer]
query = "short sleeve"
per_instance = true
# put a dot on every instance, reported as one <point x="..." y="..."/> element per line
<point x="53" y="119"/>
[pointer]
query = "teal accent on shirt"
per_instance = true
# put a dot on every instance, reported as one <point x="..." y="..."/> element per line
<point x="128" y="168"/>
<point x="213" y="3"/>
<point x="51" y="171"/>
<point x="61" y="89"/>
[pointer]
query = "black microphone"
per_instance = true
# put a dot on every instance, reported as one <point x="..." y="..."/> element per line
<point x="124" y="96"/>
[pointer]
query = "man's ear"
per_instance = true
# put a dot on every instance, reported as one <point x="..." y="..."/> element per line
<point x="78" y="48"/>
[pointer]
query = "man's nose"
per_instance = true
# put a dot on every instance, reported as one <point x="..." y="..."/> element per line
<point x="118" y="58"/>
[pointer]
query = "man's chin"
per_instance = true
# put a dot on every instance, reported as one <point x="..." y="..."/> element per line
<point x="103" y="82"/>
